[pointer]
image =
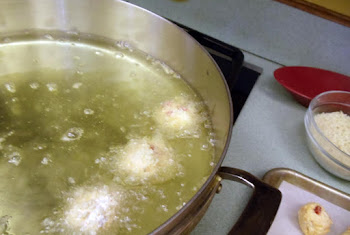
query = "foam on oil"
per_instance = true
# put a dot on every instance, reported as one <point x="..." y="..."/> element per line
<point x="63" y="131"/>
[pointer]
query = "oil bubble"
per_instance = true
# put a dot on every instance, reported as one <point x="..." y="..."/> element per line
<point x="119" y="55"/>
<point x="99" y="53"/>
<point x="46" y="160"/>
<point x="7" y="40"/>
<point x="212" y="142"/>
<point x="71" y="180"/>
<point x="165" y="208"/>
<point x="4" y="224"/>
<point x="124" y="45"/>
<point x="100" y="160"/>
<point x="177" y="76"/>
<point x="77" y="85"/>
<point x="52" y="87"/>
<point x="89" y="111"/>
<point x="14" y="158"/>
<point x="72" y="134"/>
<point x="48" y="36"/>
<point x="204" y="147"/>
<point x="39" y="147"/>
<point x="34" y="85"/>
<point x="167" y="69"/>
<point x="10" y="86"/>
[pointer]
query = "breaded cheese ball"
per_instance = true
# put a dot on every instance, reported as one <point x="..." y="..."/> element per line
<point x="146" y="160"/>
<point x="178" y="117"/>
<point x="90" y="210"/>
<point x="314" y="220"/>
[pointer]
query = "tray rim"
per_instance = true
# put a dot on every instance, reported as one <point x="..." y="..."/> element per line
<point x="276" y="176"/>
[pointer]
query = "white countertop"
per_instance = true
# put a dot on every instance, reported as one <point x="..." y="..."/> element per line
<point x="275" y="138"/>
<point x="269" y="132"/>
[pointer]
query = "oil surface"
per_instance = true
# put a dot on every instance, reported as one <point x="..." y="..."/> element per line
<point x="63" y="131"/>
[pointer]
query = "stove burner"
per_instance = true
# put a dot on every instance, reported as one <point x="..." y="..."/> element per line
<point x="239" y="77"/>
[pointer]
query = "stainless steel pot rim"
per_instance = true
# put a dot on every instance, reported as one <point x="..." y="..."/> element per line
<point x="141" y="28"/>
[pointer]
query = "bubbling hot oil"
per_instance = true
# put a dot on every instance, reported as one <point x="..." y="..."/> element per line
<point x="63" y="131"/>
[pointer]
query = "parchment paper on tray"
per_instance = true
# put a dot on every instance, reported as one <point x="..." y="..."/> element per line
<point x="293" y="187"/>
<point x="293" y="197"/>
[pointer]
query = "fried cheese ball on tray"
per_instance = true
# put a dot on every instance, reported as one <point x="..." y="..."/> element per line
<point x="314" y="220"/>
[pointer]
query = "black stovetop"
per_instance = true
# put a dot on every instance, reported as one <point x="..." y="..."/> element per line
<point x="239" y="77"/>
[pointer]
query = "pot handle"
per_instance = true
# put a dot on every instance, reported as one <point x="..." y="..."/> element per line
<point x="262" y="207"/>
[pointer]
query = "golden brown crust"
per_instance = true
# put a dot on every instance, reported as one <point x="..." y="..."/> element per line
<point x="314" y="220"/>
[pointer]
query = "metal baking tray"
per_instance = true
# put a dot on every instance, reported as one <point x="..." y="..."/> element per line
<point x="276" y="176"/>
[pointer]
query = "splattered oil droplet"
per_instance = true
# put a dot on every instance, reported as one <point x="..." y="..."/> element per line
<point x="10" y="86"/>
<point x="89" y="111"/>
<point x="72" y="134"/>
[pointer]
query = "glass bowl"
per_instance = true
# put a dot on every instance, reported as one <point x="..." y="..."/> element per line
<point x="326" y="153"/>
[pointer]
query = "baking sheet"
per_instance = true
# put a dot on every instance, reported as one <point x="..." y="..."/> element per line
<point x="294" y="197"/>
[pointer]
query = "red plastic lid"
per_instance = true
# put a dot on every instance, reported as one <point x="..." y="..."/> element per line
<point x="306" y="82"/>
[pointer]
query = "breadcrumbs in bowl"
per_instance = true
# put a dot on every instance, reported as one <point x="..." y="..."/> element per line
<point x="327" y="123"/>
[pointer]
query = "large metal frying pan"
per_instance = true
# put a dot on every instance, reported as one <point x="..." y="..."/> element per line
<point x="118" y="20"/>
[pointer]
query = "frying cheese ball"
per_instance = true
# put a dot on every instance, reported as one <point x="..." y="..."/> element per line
<point x="146" y="160"/>
<point x="314" y="220"/>
<point x="178" y="117"/>
<point x="91" y="209"/>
